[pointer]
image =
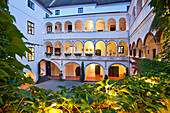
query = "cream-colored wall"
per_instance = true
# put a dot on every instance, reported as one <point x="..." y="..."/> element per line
<point x="89" y="26"/>
<point x="101" y="45"/>
<point x="54" y="70"/>
<point x="78" y="47"/>
<point x="90" y="70"/>
<point x="111" y="48"/>
<point x="89" y="45"/>
<point x="67" y="48"/>
<point x="100" y="25"/>
<point x="78" y="26"/>
<point x="70" y="69"/>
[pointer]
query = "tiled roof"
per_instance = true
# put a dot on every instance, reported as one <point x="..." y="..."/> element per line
<point x="53" y="3"/>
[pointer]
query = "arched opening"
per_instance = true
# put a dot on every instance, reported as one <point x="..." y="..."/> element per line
<point x="100" y="48"/>
<point x="78" y="26"/>
<point x="151" y="47"/>
<point x="54" y="70"/>
<point x="72" y="71"/>
<point x="94" y="72"/>
<point x="49" y="27"/>
<point x="116" y="71"/>
<point x="78" y="46"/>
<point x="133" y="14"/>
<point x="100" y="25"/>
<point x="33" y="76"/>
<point x="42" y="68"/>
<point x="58" y="27"/>
<point x="130" y="50"/>
<point x="134" y="49"/>
<point x="49" y="47"/>
<point x="68" y="47"/>
<point x="122" y="24"/>
<point x="139" y="6"/>
<point x="123" y="49"/>
<point x="111" y="24"/>
<point x="89" y="47"/>
<point x="68" y="26"/>
<point x="111" y="48"/>
<point x="140" y="49"/>
<point x="58" y="48"/>
<point x="89" y="26"/>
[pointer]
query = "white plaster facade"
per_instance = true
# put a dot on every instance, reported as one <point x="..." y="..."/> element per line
<point x="129" y="25"/>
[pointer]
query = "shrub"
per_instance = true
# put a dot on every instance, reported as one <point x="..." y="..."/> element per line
<point x="77" y="54"/>
<point x="67" y="54"/>
<point x="48" y="53"/>
<point x="89" y="54"/>
<point x="106" y="77"/>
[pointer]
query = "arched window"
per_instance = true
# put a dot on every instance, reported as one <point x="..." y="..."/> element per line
<point x="68" y="26"/>
<point x="49" y="27"/>
<point x="111" y="24"/>
<point x="58" y="27"/>
<point x="122" y="24"/>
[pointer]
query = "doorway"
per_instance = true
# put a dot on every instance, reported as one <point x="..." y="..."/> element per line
<point x="48" y="68"/>
<point x="69" y="28"/>
<point x="78" y="71"/>
<point x="154" y="53"/>
<point x="97" y="70"/>
<point x="114" y="71"/>
<point x="98" y="52"/>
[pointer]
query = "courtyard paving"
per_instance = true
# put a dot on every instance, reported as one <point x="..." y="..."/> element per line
<point x="53" y="83"/>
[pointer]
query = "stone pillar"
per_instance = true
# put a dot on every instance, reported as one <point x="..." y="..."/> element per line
<point x="83" y="27"/>
<point x="73" y="27"/>
<point x="63" y="71"/>
<point x="106" y="49"/>
<point x="137" y="55"/>
<point x="94" y="49"/>
<point x="53" y="28"/>
<point x="105" y="72"/>
<point x="63" y="50"/>
<point x="117" y="51"/>
<point x="106" y="26"/>
<point x="117" y="25"/>
<point x="158" y="49"/>
<point x="94" y="28"/>
<point x="144" y="52"/>
<point x="83" y="51"/>
<point x="63" y="27"/>
<point x="132" y="52"/>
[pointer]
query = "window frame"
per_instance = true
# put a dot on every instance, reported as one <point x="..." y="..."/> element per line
<point x="31" y="4"/>
<point x="29" y="26"/>
<point x="31" y="57"/>
<point x="120" y="49"/>
<point x="80" y="10"/>
<point x="58" y="12"/>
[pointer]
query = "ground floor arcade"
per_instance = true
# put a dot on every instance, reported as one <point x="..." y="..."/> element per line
<point x="94" y="71"/>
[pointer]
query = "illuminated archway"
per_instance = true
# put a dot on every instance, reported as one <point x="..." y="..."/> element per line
<point x="78" y="26"/>
<point x="78" y="46"/>
<point x="100" y="25"/>
<point x="111" y="48"/>
<point x="49" y="47"/>
<point x="111" y="24"/>
<point x="49" y="27"/>
<point x="68" y="26"/>
<point x="89" y="26"/>
<point x="100" y="48"/>
<point x="58" y="47"/>
<point x="58" y="27"/>
<point x="67" y="47"/>
<point x="122" y="24"/>
<point x="72" y="70"/>
<point x="117" y="70"/>
<point x="123" y="49"/>
<point x="89" y="47"/>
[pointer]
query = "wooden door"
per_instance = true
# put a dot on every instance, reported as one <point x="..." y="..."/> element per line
<point x="78" y="71"/>
<point x="114" y="71"/>
<point x="48" y="68"/>
<point x="69" y="28"/>
<point x="97" y="70"/>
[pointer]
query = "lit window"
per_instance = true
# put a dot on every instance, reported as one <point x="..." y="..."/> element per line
<point x="57" y="12"/>
<point x="31" y="56"/>
<point x="30" y="28"/>
<point x="121" y="49"/>
<point x="80" y="10"/>
<point x="31" y="4"/>
<point x="49" y="29"/>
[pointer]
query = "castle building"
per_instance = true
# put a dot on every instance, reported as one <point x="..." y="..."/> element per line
<point x="107" y="35"/>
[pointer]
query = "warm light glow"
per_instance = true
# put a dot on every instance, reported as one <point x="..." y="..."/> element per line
<point x="159" y="59"/>
<point x="93" y="66"/>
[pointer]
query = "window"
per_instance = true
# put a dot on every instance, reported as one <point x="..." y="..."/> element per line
<point x="121" y="49"/>
<point x="46" y="15"/>
<point x="31" y="4"/>
<point x="80" y="10"/>
<point x="31" y="56"/>
<point x="30" y="28"/>
<point x="57" y="12"/>
<point x="49" y="29"/>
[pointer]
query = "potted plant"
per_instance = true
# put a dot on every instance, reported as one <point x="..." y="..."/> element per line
<point x="48" y="53"/>
<point x="58" y="54"/>
<point x="77" y="54"/>
<point x="110" y="54"/>
<point x="60" y="75"/>
<point x="89" y="54"/>
<point x="67" y="54"/>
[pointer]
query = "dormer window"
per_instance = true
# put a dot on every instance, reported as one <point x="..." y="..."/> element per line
<point x="80" y="10"/>
<point x="57" y="12"/>
<point x="31" y="4"/>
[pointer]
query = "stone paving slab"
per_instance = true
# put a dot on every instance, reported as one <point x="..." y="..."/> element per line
<point x="52" y="84"/>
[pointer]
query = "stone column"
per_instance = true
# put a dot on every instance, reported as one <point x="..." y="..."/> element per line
<point x="106" y="49"/>
<point x="117" y="51"/>
<point x="106" y="26"/>
<point x="137" y="55"/>
<point x="63" y="27"/>
<point x="94" y="28"/>
<point x="73" y="27"/>
<point x="63" y="71"/>
<point x="117" y="25"/>
<point x="144" y="51"/>
<point x="83" y="27"/>
<point x="53" y="28"/>
<point x="94" y="49"/>
<point x="63" y="50"/>
<point x="158" y="49"/>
